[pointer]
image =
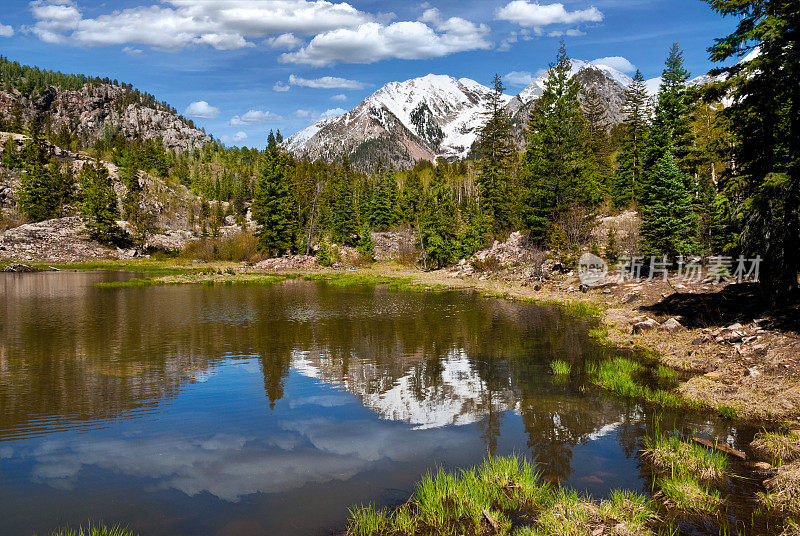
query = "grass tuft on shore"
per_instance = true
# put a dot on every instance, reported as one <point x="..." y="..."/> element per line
<point x="783" y="495"/>
<point x="686" y="494"/>
<point x="485" y="499"/>
<point x="777" y="447"/>
<point x="669" y="454"/>
<point x="560" y="368"/>
<point x="93" y="530"/>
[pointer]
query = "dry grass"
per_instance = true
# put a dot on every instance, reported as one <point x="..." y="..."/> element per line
<point x="776" y="447"/>
<point x="784" y="491"/>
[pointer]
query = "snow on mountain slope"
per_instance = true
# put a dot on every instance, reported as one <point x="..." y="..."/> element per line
<point x="440" y="114"/>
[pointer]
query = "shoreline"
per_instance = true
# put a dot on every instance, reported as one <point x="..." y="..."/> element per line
<point x="747" y="372"/>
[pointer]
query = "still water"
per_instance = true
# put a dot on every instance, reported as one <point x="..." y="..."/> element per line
<point x="253" y="410"/>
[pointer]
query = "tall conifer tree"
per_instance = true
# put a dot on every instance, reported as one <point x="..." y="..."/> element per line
<point x="273" y="209"/>
<point x="630" y="160"/>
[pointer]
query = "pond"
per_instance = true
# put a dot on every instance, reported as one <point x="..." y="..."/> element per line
<point x="253" y="410"/>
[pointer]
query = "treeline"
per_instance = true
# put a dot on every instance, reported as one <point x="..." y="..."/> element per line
<point x="33" y="81"/>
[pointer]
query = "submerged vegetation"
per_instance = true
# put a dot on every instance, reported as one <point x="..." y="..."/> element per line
<point x="504" y="496"/>
<point x="93" y="530"/>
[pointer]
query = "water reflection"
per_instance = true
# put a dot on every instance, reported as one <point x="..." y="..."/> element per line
<point x="199" y="410"/>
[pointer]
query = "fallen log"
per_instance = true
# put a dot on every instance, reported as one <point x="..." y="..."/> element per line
<point x="721" y="447"/>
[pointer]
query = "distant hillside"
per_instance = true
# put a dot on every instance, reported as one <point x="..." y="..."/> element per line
<point x="88" y="108"/>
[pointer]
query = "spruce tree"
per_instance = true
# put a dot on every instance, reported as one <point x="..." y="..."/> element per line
<point x="40" y="195"/>
<point x="600" y="170"/>
<point x="383" y="206"/>
<point x="765" y="121"/>
<point x="99" y="203"/>
<point x="669" y="223"/>
<point x="495" y="147"/>
<point x="556" y="156"/>
<point x="343" y="207"/>
<point x="366" y="246"/>
<point x="437" y="225"/>
<point x="411" y="197"/>
<point x="630" y="160"/>
<point x="273" y="209"/>
<point x="11" y="158"/>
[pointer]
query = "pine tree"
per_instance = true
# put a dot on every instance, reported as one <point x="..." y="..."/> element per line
<point x="343" y="207"/>
<point x="600" y="170"/>
<point x="99" y="203"/>
<point x="671" y="130"/>
<point x="631" y="156"/>
<point x="495" y="147"/>
<point x="669" y="223"/>
<point x="437" y="225"/>
<point x="11" y="158"/>
<point x="474" y="228"/>
<point x="40" y="194"/>
<point x="273" y="209"/>
<point x="383" y="206"/>
<point x="324" y="254"/>
<point x="411" y="197"/>
<point x="555" y="158"/>
<point x="765" y="120"/>
<point x="366" y="246"/>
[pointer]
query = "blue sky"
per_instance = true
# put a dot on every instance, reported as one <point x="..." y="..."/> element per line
<point x="242" y="67"/>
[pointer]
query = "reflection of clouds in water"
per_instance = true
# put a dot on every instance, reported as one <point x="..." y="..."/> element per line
<point x="327" y="401"/>
<point x="231" y="467"/>
<point x="6" y="452"/>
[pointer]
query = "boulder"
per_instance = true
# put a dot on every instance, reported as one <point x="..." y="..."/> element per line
<point x="646" y="325"/>
<point x="672" y="325"/>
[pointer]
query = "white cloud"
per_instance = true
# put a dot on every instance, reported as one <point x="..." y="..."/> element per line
<point x="616" y="62"/>
<point x="518" y="78"/>
<point x="6" y="31"/>
<point x="534" y="15"/>
<point x="326" y="82"/>
<point x="281" y="87"/>
<point x="574" y="32"/>
<point x="240" y="136"/>
<point x="130" y="51"/>
<point x="303" y="114"/>
<point x="286" y="41"/>
<point x="339" y="98"/>
<point x="333" y="112"/>
<point x="254" y="117"/>
<point x="372" y="42"/>
<point x="202" y="110"/>
<point x="175" y="24"/>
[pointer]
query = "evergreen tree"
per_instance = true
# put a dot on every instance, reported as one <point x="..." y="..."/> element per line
<point x="669" y="223"/>
<point x="495" y="147"/>
<point x="140" y="220"/>
<point x="600" y="168"/>
<point x="324" y="253"/>
<point x="437" y="225"/>
<point x="411" y="197"/>
<point x="671" y="130"/>
<point x="474" y="229"/>
<point x="343" y="207"/>
<point x="630" y="160"/>
<point x="366" y="246"/>
<point x="555" y="158"/>
<point x="273" y="209"/>
<point x="99" y="203"/>
<point x="383" y="208"/>
<point x="765" y="120"/>
<point x="11" y="158"/>
<point x="40" y="195"/>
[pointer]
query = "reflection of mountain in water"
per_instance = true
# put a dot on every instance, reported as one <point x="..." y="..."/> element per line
<point x="457" y="394"/>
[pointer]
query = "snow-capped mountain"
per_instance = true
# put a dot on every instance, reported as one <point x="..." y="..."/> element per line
<point x="403" y="122"/>
<point x="435" y="116"/>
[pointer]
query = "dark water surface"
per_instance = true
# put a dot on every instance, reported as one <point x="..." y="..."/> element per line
<point x="252" y="410"/>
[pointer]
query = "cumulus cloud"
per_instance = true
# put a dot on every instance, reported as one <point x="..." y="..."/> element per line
<point x="616" y="62"/>
<point x="254" y="117"/>
<point x="175" y="24"/>
<point x="410" y="40"/>
<point x="534" y="15"/>
<point x="326" y="82"/>
<point x="130" y="51"/>
<point x="518" y="78"/>
<point x="286" y="41"/>
<point x="240" y="136"/>
<point x="202" y="110"/>
<point x="281" y="87"/>
<point x="303" y="114"/>
<point x="339" y="98"/>
<point x="333" y="112"/>
<point x="6" y="31"/>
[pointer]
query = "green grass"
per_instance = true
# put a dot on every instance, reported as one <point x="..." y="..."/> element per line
<point x="196" y="279"/>
<point x="396" y="284"/>
<point x="687" y="494"/>
<point x="560" y="368"/>
<point x="505" y="488"/>
<point x="670" y="455"/>
<point x="728" y="412"/>
<point x="147" y="266"/>
<point x="779" y="448"/>
<point x="627" y="378"/>
<point x="93" y="530"/>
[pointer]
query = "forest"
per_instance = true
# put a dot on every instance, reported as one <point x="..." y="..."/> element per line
<point x="711" y="169"/>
